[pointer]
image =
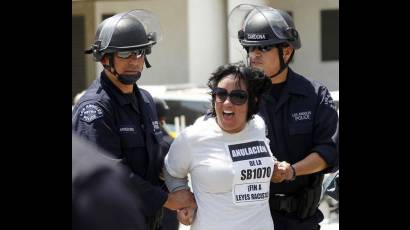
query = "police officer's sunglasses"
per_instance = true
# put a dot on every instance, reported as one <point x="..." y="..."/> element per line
<point x="236" y="97"/>
<point x="126" y="54"/>
<point x="261" y="48"/>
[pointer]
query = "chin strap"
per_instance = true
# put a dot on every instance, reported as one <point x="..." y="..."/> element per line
<point x="283" y="65"/>
<point x="111" y="67"/>
<point x="146" y="62"/>
<point x="125" y="79"/>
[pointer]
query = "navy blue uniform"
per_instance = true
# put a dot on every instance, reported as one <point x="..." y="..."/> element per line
<point x="301" y="119"/>
<point x="126" y="126"/>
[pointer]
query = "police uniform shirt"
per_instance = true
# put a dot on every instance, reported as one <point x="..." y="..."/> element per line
<point x="303" y="120"/>
<point x="125" y="126"/>
<point x="230" y="174"/>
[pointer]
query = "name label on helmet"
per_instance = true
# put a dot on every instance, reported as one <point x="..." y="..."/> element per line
<point x="253" y="36"/>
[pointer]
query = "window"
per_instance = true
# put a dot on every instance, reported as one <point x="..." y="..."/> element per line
<point x="330" y="34"/>
<point x="77" y="55"/>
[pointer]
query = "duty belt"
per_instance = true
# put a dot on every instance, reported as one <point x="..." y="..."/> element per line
<point x="284" y="203"/>
<point x="303" y="204"/>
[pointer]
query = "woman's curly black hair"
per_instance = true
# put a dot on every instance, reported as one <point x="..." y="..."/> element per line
<point x="256" y="83"/>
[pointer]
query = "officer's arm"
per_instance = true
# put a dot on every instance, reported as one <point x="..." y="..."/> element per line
<point x="324" y="155"/>
<point x="152" y="196"/>
<point x="310" y="164"/>
<point x="94" y="122"/>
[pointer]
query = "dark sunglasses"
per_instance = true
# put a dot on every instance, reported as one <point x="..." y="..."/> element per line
<point x="236" y="97"/>
<point x="129" y="53"/>
<point x="261" y="48"/>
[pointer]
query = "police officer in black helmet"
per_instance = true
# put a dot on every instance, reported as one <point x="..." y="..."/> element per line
<point x="120" y="117"/>
<point x="299" y="113"/>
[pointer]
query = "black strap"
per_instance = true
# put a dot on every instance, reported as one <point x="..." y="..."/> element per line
<point x="283" y="65"/>
<point x="282" y="62"/>
<point x="146" y="62"/>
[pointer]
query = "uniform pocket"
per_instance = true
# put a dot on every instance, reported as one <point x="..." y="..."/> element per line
<point x="300" y="128"/>
<point x="132" y="140"/>
<point x="134" y="150"/>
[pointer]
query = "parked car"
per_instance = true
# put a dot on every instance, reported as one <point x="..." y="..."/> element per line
<point x="186" y="103"/>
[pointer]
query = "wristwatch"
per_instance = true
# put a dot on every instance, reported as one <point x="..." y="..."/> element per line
<point x="294" y="173"/>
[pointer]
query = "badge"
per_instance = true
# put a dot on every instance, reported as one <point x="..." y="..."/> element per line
<point x="90" y="112"/>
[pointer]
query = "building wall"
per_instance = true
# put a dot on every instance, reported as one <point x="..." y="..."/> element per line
<point x="196" y="39"/>
<point x="169" y="57"/>
<point x="307" y="60"/>
<point x="208" y="47"/>
<point x="87" y="10"/>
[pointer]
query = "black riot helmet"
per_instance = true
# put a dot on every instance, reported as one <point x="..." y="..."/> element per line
<point x="262" y="25"/>
<point x="127" y="31"/>
<point x="135" y="31"/>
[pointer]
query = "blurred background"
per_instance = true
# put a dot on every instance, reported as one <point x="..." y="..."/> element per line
<point x="195" y="41"/>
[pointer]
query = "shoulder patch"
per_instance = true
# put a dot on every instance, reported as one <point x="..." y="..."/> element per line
<point x="90" y="112"/>
<point x="327" y="99"/>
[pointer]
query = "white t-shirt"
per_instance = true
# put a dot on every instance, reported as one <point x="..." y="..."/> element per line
<point x="230" y="174"/>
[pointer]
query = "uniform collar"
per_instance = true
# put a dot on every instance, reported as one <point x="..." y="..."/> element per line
<point x="118" y="95"/>
<point x="295" y="84"/>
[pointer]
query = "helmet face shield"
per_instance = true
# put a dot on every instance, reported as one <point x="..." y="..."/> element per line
<point x="107" y="29"/>
<point x="127" y="31"/>
<point x="262" y="25"/>
<point x="150" y="22"/>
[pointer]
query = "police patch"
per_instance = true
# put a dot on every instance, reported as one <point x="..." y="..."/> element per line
<point x="300" y="116"/>
<point x="327" y="100"/>
<point x="90" y="112"/>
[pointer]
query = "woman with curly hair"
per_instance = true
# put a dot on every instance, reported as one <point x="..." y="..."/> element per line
<point x="227" y="155"/>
